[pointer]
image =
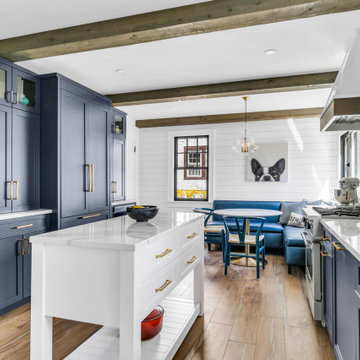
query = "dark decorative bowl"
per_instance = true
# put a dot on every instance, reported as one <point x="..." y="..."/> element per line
<point x="142" y="214"/>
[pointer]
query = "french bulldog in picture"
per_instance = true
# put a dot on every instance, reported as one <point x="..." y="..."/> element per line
<point x="267" y="173"/>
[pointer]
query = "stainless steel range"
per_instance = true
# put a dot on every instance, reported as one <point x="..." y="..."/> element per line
<point x="313" y="235"/>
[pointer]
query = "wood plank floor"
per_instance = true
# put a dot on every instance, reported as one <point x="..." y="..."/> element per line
<point x="245" y="319"/>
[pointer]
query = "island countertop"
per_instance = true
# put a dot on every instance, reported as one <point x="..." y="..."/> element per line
<point x="347" y="232"/>
<point x="120" y="233"/>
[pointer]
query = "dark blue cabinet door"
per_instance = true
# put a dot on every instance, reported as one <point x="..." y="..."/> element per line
<point x="327" y="257"/>
<point x="118" y="170"/>
<point x="5" y="84"/>
<point x="5" y="158"/>
<point x="97" y="144"/>
<point x="26" y="89"/>
<point x="346" y="316"/>
<point x="74" y="172"/>
<point x="10" y="271"/>
<point x="25" y="160"/>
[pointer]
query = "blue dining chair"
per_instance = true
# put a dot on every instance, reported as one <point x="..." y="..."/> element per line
<point x="213" y="234"/>
<point x="238" y="237"/>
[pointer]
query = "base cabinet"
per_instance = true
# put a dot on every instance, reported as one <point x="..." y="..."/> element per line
<point x="15" y="259"/>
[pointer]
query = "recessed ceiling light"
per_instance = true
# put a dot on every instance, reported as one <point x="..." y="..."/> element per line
<point x="270" y="51"/>
<point x="119" y="71"/>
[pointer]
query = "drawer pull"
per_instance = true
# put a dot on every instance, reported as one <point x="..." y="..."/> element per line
<point x="166" y="284"/>
<point x="337" y="247"/>
<point x="192" y="235"/>
<point x="323" y="253"/>
<point x="325" y="238"/>
<point x="167" y="251"/>
<point x="23" y="226"/>
<point x="89" y="216"/>
<point x="193" y="259"/>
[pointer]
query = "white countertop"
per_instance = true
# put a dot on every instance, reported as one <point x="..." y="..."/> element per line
<point x="121" y="233"/>
<point x="347" y="232"/>
<point x="122" y="202"/>
<point x="20" y="214"/>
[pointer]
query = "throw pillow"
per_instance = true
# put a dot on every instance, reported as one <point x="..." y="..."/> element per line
<point x="289" y="207"/>
<point x="296" y="220"/>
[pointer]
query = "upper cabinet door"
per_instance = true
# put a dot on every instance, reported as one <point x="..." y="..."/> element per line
<point x="5" y="84"/>
<point x="118" y="169"/>
<point x="75" y="179"/>
<point x="26" y="91"/>
<point x="118" y="126"/>
<point x="97" y="143"/>
<point x="25" y="160"/>
<point x="5" y="159"/>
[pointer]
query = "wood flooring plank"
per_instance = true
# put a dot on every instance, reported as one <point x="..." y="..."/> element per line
<point x="215" y="341"/>
<point x="239" y="351"/>
<point x="270" y="340"/>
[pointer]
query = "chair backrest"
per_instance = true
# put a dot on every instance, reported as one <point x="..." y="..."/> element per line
<point x="205" y="211"/>
<point x="240" y="225"/>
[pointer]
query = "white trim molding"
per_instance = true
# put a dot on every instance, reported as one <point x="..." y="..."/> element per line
<point x="211" y="159"/>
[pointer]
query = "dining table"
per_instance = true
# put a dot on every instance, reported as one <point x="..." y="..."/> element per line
<point x="246" y="213"/>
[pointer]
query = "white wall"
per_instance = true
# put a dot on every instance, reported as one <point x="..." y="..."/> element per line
<point x="132" y="161"/>
<point x="313" y="162"/>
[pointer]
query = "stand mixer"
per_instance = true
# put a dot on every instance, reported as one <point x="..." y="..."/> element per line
<point x="347" y="194"/>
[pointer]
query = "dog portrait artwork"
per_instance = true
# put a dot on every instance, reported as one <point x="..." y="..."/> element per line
<point x="269" y="163"/>
<point x="267" y="173"/>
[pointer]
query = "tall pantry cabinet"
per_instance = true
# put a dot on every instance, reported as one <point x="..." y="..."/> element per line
<point x="75" y="129"/>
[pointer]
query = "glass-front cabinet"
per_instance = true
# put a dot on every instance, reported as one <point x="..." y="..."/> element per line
<point x="119" y="124"/>
<point x="5" y="84"/>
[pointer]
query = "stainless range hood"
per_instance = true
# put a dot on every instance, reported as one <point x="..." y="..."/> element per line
<point x="342" y="111"/>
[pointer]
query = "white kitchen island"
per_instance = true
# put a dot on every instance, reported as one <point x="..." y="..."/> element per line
<point x="113" y="273"/>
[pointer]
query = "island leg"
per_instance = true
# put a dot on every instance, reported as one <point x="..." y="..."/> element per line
<point x="199" y="283"/>
<point x="41" y="325"/>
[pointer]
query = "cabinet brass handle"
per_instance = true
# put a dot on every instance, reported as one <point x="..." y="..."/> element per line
<point x="325" y="238"/>
<point x="89" y="177"/>
<point x="114" y="187"/>
<point x="16" y="191"/>
<point x="192" y="235"/>
<point x="22" y="248"/>
<point x="23" y="226"/>
<point x="167" y="251"/>
<point x="89" y="216"/>
<point x="193" y="259"/>
<point x="27" y="246"/>
<point x="323" y="253"/>
<point x="337" y="247"/>
<point x="92" y="178"/>
<point x="11" y="190"/>
<point x="162" y="287"/>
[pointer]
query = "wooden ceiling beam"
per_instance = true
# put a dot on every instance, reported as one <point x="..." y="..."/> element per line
<point x="230" y="118"/>
<point x="247" y="87"/>
<point x="193" y="19"/>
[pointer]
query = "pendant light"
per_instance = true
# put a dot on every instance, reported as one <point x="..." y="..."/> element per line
<point x="246" y="145"/>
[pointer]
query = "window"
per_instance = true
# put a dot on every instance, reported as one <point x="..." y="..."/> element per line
<point x="191" y="168"/>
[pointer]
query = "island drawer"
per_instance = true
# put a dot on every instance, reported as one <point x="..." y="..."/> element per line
<point x="189" y="260"/>
<point x="156" y="288"/>
<point x="158" y="255"/>
<point x="189" y="234"/>
<point x="23" y="226"/>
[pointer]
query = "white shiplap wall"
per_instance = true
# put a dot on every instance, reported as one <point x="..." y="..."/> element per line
<point x="313" y="162"/>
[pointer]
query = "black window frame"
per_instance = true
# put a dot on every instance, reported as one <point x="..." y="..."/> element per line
<point x="201" y="168"/>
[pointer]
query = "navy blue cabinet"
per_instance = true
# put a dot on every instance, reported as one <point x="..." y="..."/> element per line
<point x="75" y="145"/>
<point x="15" y="259"/>
<point x="5" y="84"/>
<point x="118" y="126"/>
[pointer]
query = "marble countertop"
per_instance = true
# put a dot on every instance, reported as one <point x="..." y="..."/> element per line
<point x="122" y="202"/>
<point x="120" y="233"/>
<point x="347" y="232"/>
<point x="20" y="214"/>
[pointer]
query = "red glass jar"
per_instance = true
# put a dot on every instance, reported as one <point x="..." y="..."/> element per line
<point x="152" y="324"/>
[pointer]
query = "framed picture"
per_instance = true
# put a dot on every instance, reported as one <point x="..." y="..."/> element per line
<point x="269" y="163"/>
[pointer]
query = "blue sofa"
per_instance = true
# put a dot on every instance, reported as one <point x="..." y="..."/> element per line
<point x="283" y="239"/>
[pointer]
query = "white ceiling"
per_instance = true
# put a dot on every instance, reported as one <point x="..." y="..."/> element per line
<point x="22" y="17"/>
<point x="229" y="105"/>
<point x="303" y="46"/>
